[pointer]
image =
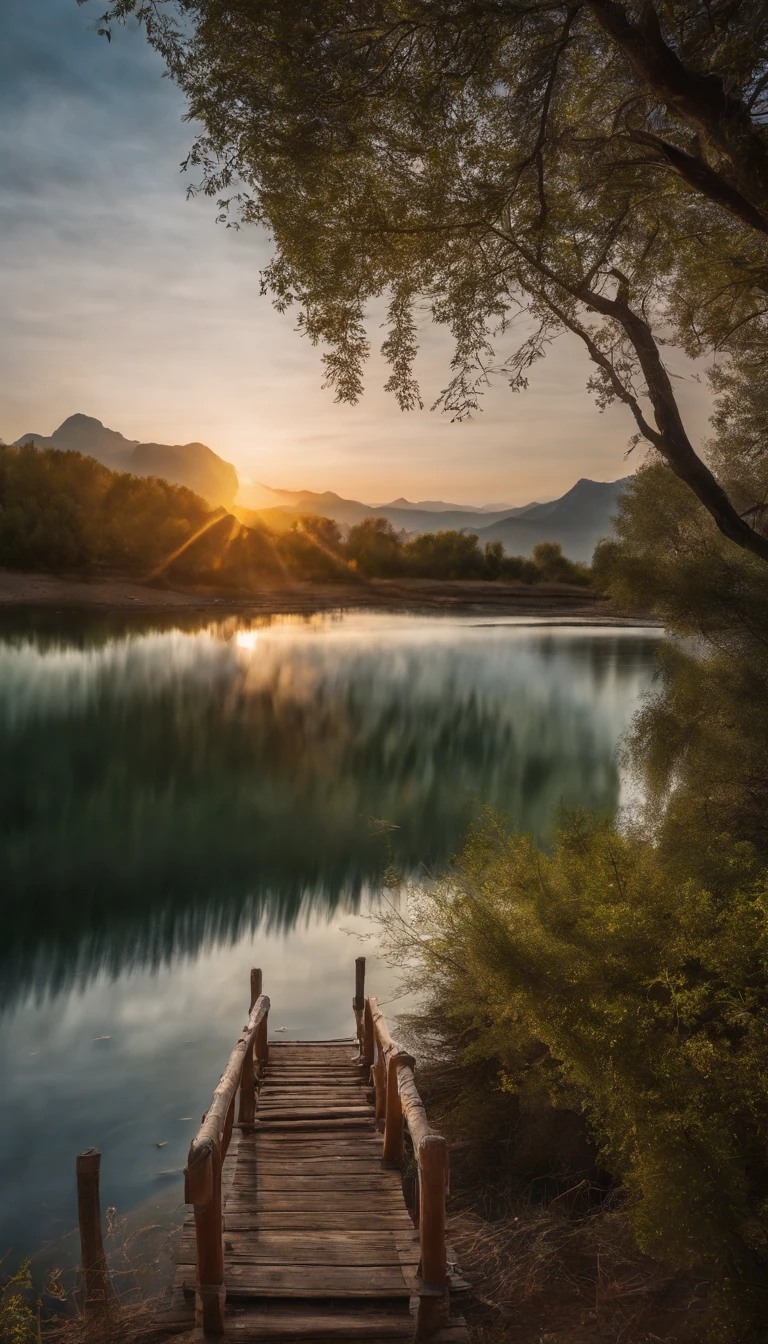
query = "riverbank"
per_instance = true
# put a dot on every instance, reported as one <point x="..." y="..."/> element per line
<point x="22" y="589"/>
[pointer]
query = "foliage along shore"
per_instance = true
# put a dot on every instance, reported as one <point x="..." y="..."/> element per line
<point x="593" y="1015"/>
<point x="64" y="513"/>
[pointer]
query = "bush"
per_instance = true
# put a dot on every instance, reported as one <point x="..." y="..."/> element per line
<point x="444" y="555"/>
<point x="374" y="548"/>
<point x="312" y="549"/>
<point x="519" y="568"/>
<point x="554" y="567"/>
<point x="598" y="979"/>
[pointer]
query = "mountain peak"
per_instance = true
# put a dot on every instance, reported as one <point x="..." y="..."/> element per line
<point x="89" y="431"/>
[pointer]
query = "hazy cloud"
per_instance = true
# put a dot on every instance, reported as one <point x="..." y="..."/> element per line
<point x="123" y="300"/>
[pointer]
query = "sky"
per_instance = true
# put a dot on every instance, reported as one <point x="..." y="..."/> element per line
<point x="124" y="300"/>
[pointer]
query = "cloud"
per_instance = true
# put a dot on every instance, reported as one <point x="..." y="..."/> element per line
<point x="126" y="301"/>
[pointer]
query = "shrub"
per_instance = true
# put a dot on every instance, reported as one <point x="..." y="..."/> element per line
<point x="312" y="549"/>
<point x="597" y="978"/>
<point x="374" y="547"/>
<point x="554" y="567"/>
<point x="444" y="555"/>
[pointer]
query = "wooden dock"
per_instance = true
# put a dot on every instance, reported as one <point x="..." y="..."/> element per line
<point x="300" y="1226"/>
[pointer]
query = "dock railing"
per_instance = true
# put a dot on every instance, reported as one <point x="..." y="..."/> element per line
<point x="202" y="1174"/>
<point x="398" y="1104"/>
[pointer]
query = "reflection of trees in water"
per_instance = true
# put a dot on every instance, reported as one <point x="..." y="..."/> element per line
<point x="160" y="794"/>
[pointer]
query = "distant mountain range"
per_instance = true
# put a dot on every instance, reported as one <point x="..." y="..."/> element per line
<point x="577" y="520"/>
<point x="190" y="464"/>
<point x="441" y="506"/>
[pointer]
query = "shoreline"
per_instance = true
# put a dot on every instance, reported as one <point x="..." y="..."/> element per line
<point x="21" y="590"/>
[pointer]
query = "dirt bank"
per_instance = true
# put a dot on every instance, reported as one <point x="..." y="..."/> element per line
<point x="19" y="589"/>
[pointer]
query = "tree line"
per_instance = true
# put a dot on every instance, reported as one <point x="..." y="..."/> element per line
<point x="66" y="512"/>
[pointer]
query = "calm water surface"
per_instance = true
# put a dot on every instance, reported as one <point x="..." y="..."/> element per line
<point x="178" y="804"/>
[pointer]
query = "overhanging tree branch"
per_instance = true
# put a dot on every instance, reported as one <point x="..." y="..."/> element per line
<point x="700" y="100"/>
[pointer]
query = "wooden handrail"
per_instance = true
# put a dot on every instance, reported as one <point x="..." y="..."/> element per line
<point x="397" y="1104"/>
<point x="398" y="1100"/>
<point x="202" y="1174"/>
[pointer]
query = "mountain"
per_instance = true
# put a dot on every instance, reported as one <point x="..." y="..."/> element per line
<point x="577" y="520"/>
<point x="191" y="464"/>
<point x="411" y="518"/>
<point x="327" y="503"/>
<point x="429" y="506"/>
<point x="441" y="506"/>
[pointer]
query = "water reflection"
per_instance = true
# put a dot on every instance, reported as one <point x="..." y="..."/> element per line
<point x="179" y="803"/>
<point x="166" y="790"/>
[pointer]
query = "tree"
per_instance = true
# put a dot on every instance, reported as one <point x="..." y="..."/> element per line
<point x="374" y="547"/>
<point x="445" y="555"/>
<point x="599" y="167"/>
<point x="312" y="549"/>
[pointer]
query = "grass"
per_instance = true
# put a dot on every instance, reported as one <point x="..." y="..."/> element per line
<point x="139" y="1261"/>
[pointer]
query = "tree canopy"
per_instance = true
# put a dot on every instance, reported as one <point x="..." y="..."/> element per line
<point x="582" y="165"/>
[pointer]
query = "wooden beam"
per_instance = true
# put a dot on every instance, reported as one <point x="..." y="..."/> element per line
<point x="98" y="1289"/>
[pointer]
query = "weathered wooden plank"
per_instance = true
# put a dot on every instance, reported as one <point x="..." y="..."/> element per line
<point x="331" y="1040"/>
<point x="314" y="1220"/>
<point x="295" y="1248"/>
<point x="292" y="1140"/>
<point x="299" y="1147"/>
<point x="287" y="1052"/>
<point x="316" y="1089"/>
<point x="292" y="1042"/>
<point x="291" y="1154"/>
<point x="318" y="1330"/>
<point x="376" y="1200"/>
<point x="319" y="1099"/>
<point x="309" y="1073"/>
<point x="331" y="1166"/>
<point x="319" y="1084"/>
<point x="336" y="1123"/>
<point x="307" y="1281"/>
<point x="313" y="1078"/>
<point x="316" y="1184"/>
<point x="317" y="1112"/>
<point x="317" y="1323"/>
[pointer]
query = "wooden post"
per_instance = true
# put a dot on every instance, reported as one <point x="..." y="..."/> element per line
<point x="203" y="1176"/>
<point x="380" y="1083"/>
<point x="98" y="1289"/>
<point x="393" y="1150"/>
<point x="247" y="1112"/>
<point x="257" y="982"/>
<point x="229" y="1124"/>
<point x="359" y="984"/>
<point x="367" y="1045"/>
<point x="433" y="1180"/>
<point x="262" y="1044"/>
<point x="358" y="1005"/>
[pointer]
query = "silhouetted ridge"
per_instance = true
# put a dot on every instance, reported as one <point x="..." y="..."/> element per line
<point x="191" y="464"/>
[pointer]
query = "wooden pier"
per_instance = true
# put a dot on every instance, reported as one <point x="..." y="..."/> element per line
<point x="300" y="1227"/>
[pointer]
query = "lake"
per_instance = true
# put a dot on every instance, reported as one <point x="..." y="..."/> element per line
<point x="182" y="799"/>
